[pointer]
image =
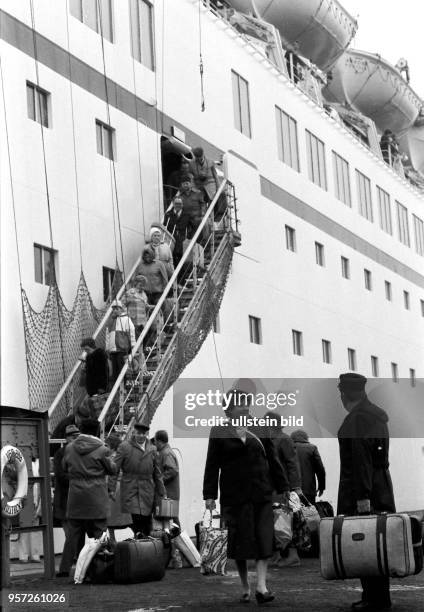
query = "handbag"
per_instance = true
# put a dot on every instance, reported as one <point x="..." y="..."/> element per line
<point x="213" y="549"/>
<point x="283" y="526"/>
<point x="311" y="515"/>
<point x="122" y="341"/>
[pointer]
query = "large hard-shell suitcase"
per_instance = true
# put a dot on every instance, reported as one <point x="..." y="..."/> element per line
<point x="139" y="561"/>
<point x="373" y="545"/>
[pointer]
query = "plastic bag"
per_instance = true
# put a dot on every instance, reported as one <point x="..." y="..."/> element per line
<point x="283" y="526"/>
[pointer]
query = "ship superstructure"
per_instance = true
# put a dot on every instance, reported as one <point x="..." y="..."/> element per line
<point x="98" y="101"/>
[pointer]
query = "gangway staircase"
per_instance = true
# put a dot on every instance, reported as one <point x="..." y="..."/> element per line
<point x="190" y="301"/>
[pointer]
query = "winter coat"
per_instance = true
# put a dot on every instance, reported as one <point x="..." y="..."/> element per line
<point x="163" y="253"/>
<point x="87" y="461"/>
<point x="61" y="486"/>
<point x="310" y="465"/>
<point x="205" y="176"/>
<point x="286" y="451"/>
<point x="122" y="323"/>
<point x="168" y="464"/>
<point x="247" y="472"/>
<point x="155" y="274"/>
<point x="141" y="482"/>
<point x="96" y="372"/>
<point x="364" y="460"/>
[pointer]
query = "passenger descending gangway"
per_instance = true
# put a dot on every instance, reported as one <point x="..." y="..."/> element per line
<point x="191" y="301"/>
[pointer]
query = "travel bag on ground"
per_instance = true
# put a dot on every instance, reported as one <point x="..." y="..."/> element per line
<point x="139" y="561"/>
<point x="283" y="526"/>
<point x="187" y="548"/>
<point x="370" y="545"/>
<point x="101" y="568"/>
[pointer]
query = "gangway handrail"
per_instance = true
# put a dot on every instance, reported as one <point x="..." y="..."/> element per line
<point x="99" y="328"/>
<point x="160" y="302"/>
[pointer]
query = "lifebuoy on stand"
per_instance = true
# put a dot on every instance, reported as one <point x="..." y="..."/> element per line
<point x="12" y="507"/>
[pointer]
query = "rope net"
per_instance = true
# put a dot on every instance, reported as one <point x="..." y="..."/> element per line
<point x="189" y="339"/>
<point x="52" y="338"/>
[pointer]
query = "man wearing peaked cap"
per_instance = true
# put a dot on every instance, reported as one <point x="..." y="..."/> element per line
<point x="365" y="485"/>
<point x="142" y="483"/>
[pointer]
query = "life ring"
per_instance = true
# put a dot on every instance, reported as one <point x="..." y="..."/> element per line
<point x="12" y="507"/>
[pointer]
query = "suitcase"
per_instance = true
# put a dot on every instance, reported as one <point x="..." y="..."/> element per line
<point x="139" y="561"/>
<point x="167" y="508"/>
<point x="371" y="545"/>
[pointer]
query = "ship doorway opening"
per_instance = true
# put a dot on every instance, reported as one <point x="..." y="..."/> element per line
<point x="172" y="152"/>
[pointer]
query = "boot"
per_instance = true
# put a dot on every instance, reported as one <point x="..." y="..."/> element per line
<point x="292" y="559"/>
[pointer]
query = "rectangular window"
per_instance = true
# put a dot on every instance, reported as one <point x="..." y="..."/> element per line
<point x="96" y="14"/>
<point x="108" y="276"/>
<point x="384" y="211"/>
<point x="351" y="359"/>
<point x="44" y="264"/>
<point x="319" y="254"/>
<point x="419" y="234"/>
<point x="290" y="238"/>
<point x="368" y="280"/>
<point x="364" y="195"/>
<point x="388" y="290"/>
<point x="241" y="104"/>
<point x="412" y="378"/>
<point x="105" y="137"/>
<point x="255" y="330"/>
<point x="406" y="299"/>
<point x="217" y="325"/>
<point x="141" y="26"/>
<point x="345" y="267"/>
<point x="341" y="179"/>
<point x="37" y="104"/>
<point x="288" y="148"/>
<point x="326" y="351"/>
<point x="316" y="160"/>
<point x="297" y="342"/>
<point x="403" y="224"/>
<point x="374" y="365"/>
<point x="395" y="372"/>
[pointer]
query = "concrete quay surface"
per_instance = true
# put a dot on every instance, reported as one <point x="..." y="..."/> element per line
<point x="299" y="589"/>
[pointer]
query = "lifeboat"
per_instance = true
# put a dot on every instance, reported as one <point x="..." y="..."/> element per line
<point x="319" y="30"/>
<point x="371" y="85"/>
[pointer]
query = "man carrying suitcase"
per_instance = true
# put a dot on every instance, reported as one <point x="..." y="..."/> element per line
<point x="365" y="485"/>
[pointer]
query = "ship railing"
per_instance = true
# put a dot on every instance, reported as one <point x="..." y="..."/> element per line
<point x="302" y="73"/>
<point x="113" y="415"/>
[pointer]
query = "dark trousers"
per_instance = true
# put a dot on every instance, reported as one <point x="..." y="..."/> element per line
<point x="142" y="524"/>
<point x="71" y="548"/>
<point x="94" y="528"/>
<point x="376" y="590"/>
<point x="117" y="360"/>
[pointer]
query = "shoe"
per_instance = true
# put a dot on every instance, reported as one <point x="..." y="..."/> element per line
<point x="370" y="607"/>
<point x="245" y="598"/>
<point x="264" y="598"/>
<point x="62" y="575"/>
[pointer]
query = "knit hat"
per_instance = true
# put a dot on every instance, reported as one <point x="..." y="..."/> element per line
<point x="352" y="382"/>
<point x="155" y="230"/>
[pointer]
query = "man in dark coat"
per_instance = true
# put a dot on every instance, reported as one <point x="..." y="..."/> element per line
<point x="286" y="452"/>
<point x="168" y="464"/>
<point x="141" y="484"/>
<point x="177" y="222"/>
<point x="96" y="367"/>
<point x="248" y="471"/>
<point x="87" y="462"/>
<point x="365" y="484"/>
<point x="71" y="549"/>
<point x="311" y="468"/>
